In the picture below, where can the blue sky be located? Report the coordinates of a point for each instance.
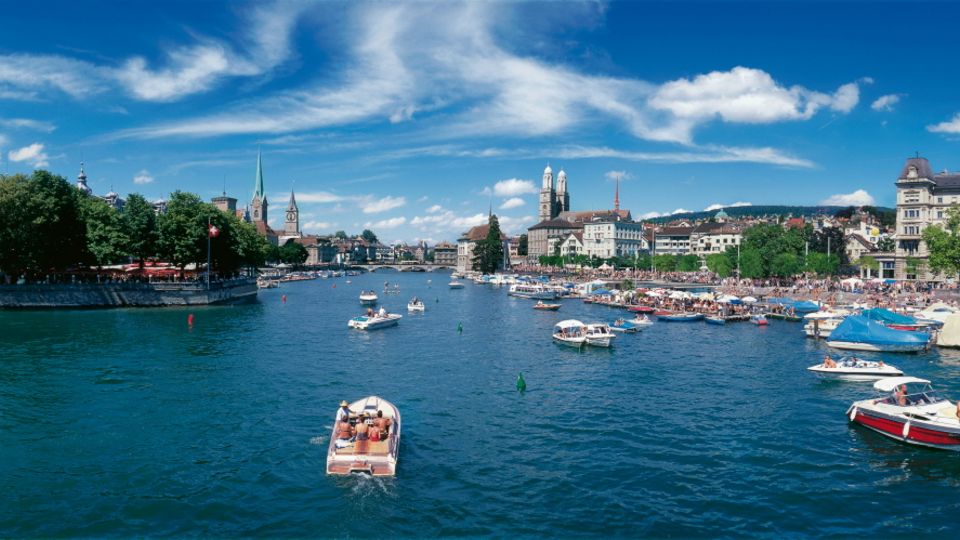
(412, 119)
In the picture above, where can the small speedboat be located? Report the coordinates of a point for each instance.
(368, 456)
(455, 284)
(908, 409)
(546, 307)
(715, 319)
(685, 316)
(641, 320)
(368, 297)
(624, 326)
(570, 332)
(855, 369)
(416, 304)
(599, 335)
(374, 321)
(759, 320)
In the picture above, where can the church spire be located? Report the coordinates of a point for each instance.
(258, 186)
(293, 202)
(616, 196)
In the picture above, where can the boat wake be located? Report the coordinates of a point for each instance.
(317, 440)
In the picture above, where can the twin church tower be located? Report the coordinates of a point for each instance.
(553, 201)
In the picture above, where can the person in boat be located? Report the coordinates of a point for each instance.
(901, 395)
(369, 312)
(343, 411)
(382, 312)
(381, 425)
(344, 429)
(362, 429)
(828, 362)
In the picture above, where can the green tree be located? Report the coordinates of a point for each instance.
(522, 245)
(887, 244)
(785, 265)
(272, 253)
(665, 263)
(751, 263)
(720, 264)
(688, 263)
(341, 235)
(369, 236)
(252, 249)
(41, 229)
(627, 285)
(943, 243)
(913, 266)
(488, 253)
(140, 226)
(870, 263)
(293, 253)
(106, 238)
(822, 264)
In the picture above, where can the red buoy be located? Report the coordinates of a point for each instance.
(284, 298)
(190, 319)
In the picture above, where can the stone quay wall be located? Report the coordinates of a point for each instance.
(105, 295)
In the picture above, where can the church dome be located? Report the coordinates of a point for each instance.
(562, 174)
(548, 170)
(721, 215)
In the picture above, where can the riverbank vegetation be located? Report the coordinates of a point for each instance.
(48, 226)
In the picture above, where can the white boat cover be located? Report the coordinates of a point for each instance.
(949, 335)
(890, 383)
(569, 323)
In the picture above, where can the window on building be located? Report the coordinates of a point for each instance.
(939, 200)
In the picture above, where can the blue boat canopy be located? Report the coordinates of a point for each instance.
(780, 301)
(888, 317)
(859, 329)
(602, 292)
(806, 306)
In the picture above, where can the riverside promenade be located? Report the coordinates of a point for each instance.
(126, 294)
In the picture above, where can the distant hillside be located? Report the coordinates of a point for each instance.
(776, 210)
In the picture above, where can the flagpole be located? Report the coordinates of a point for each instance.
(208, 253)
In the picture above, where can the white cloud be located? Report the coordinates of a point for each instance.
(950, 126)
(613, 175)
(513, 187)
(143, 177)
(434, 209)
(26, 76)
(391, 223)
(885, 103)
(513, 202)
(318, 226)
(312, 197)
(511, 225)
(705, 154)
(858, 198)
(383, 204)
(680, 211)
(718, 206)
(32, 154)
(26, 123)
(651, 215)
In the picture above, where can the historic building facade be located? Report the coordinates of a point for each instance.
(553, 200)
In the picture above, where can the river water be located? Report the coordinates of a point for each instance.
(127, 422)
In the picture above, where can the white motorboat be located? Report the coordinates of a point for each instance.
(374, 321)
(599, 335)
(374, 457)
(570, 332)
(937, 312)
(533, 291)
(641, 320)
(416, 304)
(908, 409)
(368, 297)
(821, 323)
(855, 369)
(455, 284)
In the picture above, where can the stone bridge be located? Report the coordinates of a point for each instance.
(418, 267)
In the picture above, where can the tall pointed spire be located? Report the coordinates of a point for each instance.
(258, 187)
(616, 197)
(293, 201)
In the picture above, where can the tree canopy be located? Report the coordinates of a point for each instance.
(488, 253)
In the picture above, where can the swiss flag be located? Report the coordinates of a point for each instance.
(213, 231)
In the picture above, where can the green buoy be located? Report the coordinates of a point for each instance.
(459, 327)
(521, 384)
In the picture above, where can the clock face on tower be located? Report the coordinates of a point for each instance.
(291, 216)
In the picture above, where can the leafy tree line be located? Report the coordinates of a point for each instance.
(48, 226)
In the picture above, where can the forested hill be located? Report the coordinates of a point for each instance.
(884, 214)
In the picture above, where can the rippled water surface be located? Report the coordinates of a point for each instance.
(126, 422)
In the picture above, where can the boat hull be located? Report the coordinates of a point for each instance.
(715, 320)
(922, 433)
(680, 318)
(860, 346)
(569, 342)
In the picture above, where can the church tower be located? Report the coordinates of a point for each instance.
(258, 206)
(291, 227)
(82, 181)
(563, 198)
(548, 205)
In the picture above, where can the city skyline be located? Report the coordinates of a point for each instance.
(414, 119)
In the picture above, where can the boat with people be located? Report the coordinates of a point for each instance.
(368, 297)
(455, 284)
(909, 410)
(374, 320)
(858, 333)
(625, 326)
(570, 332)
(683, 316)
(599, 335)
(365, 439)
(533, 291)
(759, 320)
(546, 307)
(854, 369)
(714, 319)
(641, 320)
(416, 304)
(822, 323)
